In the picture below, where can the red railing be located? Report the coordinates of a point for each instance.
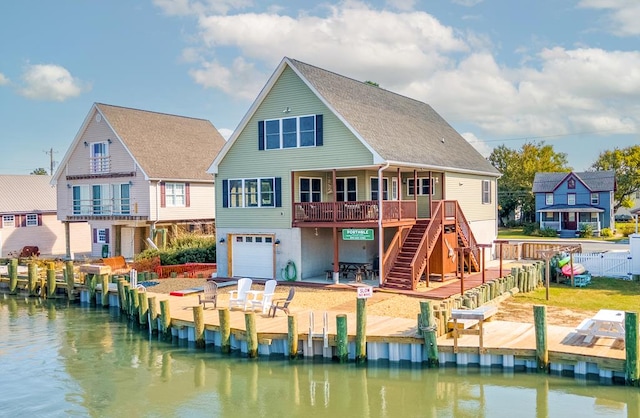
(390, 256)
(364, 211)
(421, 257)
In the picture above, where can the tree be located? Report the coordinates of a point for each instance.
(625, 163)
(40, 172)
(518, 168)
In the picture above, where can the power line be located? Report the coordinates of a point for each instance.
(51, 162)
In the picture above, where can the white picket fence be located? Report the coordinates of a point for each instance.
(607, 264)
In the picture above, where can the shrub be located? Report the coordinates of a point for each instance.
(531, 228)
(606, 232)
(586, 230)
(549, 232)
(627, 229)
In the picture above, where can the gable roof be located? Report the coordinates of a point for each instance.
(166, 147)
(27, 194)
(395, 128)
(596, 181)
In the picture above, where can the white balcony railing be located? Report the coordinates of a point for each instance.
(99, 165)
(102, 207)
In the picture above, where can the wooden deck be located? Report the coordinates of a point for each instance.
(500, 337)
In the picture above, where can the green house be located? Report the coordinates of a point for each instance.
(325, 172)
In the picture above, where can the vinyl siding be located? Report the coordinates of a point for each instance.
(340, 149)
(467, 190)
(200, 206)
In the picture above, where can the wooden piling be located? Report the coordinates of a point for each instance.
(292, 336)
(51, 279)
(134, 304)
(165, 320)
(71, 280)
(13, 276)
(125, 293)
(342, 340)
(429, 332)
(361, 330)
(542, 351)
(632, 371)
(121, 296)
(225, 330)
(252, 334)
(33, 278)
(198, 326)
(153, 314)
(105, 290)
(143, 310)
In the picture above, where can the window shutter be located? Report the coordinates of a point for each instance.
(106, 235)
(95, 235)
(187, 194)
(319, 130)
(278, 192)
(39, 219)
(261, 135)
(225, 193)
(163, 196)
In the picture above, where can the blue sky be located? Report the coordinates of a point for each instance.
(501, 72)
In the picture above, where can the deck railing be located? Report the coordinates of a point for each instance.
(358, 211)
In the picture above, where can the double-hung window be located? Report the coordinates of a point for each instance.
(571, 199)
(374, 188)
(310, 189)
(175, 194)
(548, 199)
(595, 198)
(486, 192)
(346, 189)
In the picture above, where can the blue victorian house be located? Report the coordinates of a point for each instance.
(566, 201)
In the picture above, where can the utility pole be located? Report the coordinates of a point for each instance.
(51, 162)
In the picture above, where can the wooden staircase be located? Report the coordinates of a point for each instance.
(401, 274)
(409, 263)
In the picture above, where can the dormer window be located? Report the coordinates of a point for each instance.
(571, 183)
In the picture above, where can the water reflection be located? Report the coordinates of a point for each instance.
(88, 362)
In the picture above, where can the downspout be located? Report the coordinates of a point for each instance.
(157, 210)
(380, 231)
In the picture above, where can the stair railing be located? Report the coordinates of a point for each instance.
(390, 256)
(421, 256)
(462, 225)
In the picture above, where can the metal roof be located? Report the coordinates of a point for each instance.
(27, 193)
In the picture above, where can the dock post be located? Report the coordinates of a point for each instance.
(542, 352)
(361, 330)
(631, 347)
(225, 330)
(33, 278)
(342, 340)
(292, 336)
(105, 290)
(121, 297)
(252, 334)
(165, 320)
(51, 279)
(13, 276)
(71, 280)
(143, 309)
(153, 314)
(125, 295)
(134, 304)
(198, 326)
(428, 326)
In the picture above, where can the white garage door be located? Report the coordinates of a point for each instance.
(252, 256)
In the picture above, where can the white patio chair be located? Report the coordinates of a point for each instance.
(238, 297)
(264, 303)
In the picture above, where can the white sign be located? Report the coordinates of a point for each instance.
(365, 292)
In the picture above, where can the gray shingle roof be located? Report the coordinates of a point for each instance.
(596, 181)
(166, 146)
(398, 128)
(27, 193)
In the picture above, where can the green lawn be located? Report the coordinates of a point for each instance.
(516, 233)
(602, 293)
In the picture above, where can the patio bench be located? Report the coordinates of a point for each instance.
(118, 264)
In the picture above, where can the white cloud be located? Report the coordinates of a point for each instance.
(3, 80)
(225, 132)
(241, 80)
(190, 7)
(480, 146)
(622, 17)
(49, 82)
(404, 5)
(467, 3)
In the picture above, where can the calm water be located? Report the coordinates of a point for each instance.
(58, 360)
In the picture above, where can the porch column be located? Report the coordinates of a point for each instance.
(67, 240)
(336, 259)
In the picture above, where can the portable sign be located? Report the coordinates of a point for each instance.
(357, 234)
(365, 292)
